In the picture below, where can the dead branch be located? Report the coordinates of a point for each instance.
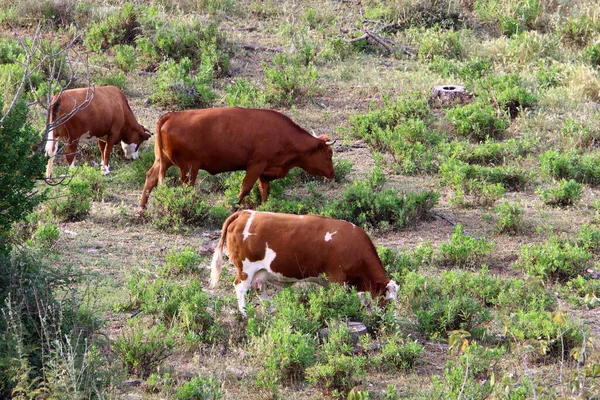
(255, 47)
(448, 220)
(244, 28)
(387, 44)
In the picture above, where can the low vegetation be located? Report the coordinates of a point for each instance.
(482, 207)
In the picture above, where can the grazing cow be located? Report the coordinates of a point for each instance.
(265, 143)
(285, 248)
(99, 112)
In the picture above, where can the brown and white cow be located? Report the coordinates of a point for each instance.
(100, 112)
(265, 143)
(284, 248)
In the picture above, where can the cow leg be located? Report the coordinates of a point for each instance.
(188, 175)
(108, 145)
(153, 177)
(241, 288)
(264, 185)
(252, 175)
(70, 152)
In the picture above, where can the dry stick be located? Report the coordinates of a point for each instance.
(261, 48)
(244, 28)
(448, 220)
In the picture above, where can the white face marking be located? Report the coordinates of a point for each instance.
(246, 232)
(129, 150)
(328, 236)
(391, 290)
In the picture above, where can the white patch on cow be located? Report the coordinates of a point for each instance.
(72, 164)
(391, 290)
(129, 151)
(105, 169)
(328, 236)
(301, 216)
(246, 232)
(51, 150)
(86, 138)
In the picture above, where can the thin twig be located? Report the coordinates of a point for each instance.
(448, 220)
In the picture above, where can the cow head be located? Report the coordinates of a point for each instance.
(319, 160)
(131, 144)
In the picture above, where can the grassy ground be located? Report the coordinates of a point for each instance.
(115, 243)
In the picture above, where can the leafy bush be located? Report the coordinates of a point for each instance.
(555, 333)
(181, 262)
(365, 205)
(71, 203)
(489, 153)
(200, 388)
(582, 291)
(564, 194)
(578, 31)
(125, 57)
(511, 17)
(399, 353)
(110, 78)
(397, 262)
(471, 375)
(119, 28)
(177, 86)
(467, 70)
(142, 350)
(477, 121)
(507, 92)
(242, 93)
(438, 42)
(571, 165)
(285, 353)
(45, 236)
(554, 259)
(464, 250)
(592, 52)
(19, 168)
(509, 219)
(288, 79)
(175, 208)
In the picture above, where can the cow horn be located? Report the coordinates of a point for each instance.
(329, 143)
(147, 130)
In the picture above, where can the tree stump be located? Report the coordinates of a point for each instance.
(450, 95)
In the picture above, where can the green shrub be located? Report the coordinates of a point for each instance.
(285, 353)
(142, 350)
(554, 259)
(467, 70)
(507, 92)
(181, 262)
(125, 57)
(242, 93)
(580, 168)
(477, 121)
(589, 238)
(511, 17)
(71, 203)
(565, 193)
(177, 86)
(592, 53)
(470, 375)
(364, 204)
(582, 291)
(288, 79)
(341, 169)
(19, 168)
(119, 28)
(509, 219)
(200, 388)
(438, 42)
(489, 153)
(174, 209)
(398, 262)
(45, 236)
(578, 31)
(110, 78)
(464, 250)
(399, 353)
(555, 333)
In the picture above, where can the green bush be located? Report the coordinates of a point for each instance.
(71, 203)
(565, 193)
(467, 70)
(578, 31)
(509, 219)
(200, 388)
(463, 250)
(511, 17)
(174, 209)
(592, 52)
(110, 78)
(554, 259)
(242, 93)
(181, 262)
(288, 79)
(125, 57)
(470, 375)
(142, 350)
(581, 291)
(489, 153)
(119, 28)
(399, 353)
(19, 168)
(442, 43)
(555, 333)
(477, 121)
(285, 353)
(398, 262)
(507, 91)
(176, 85)
(571, 165)
(45, 236)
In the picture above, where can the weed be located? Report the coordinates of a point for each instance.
(200, 387)
(288, 79)
(509, 219)
(399, 353)
(71, 203)
(242, 93)
(118, 28)
(110, 78)
(125, 57)
(507, 92)
(181, 262)
(592, 52)
(45, 236)
(554, 259)
(477, 121)
(441, 43)
(142, 350)
(578, 31)
(464, 250)
(579, 168)
(565, 193)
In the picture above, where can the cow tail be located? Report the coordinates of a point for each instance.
(158, 149)
(51, 140)
(217, 261)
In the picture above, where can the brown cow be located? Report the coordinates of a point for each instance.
(265, 143)
(285, 248)
(103, 113)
